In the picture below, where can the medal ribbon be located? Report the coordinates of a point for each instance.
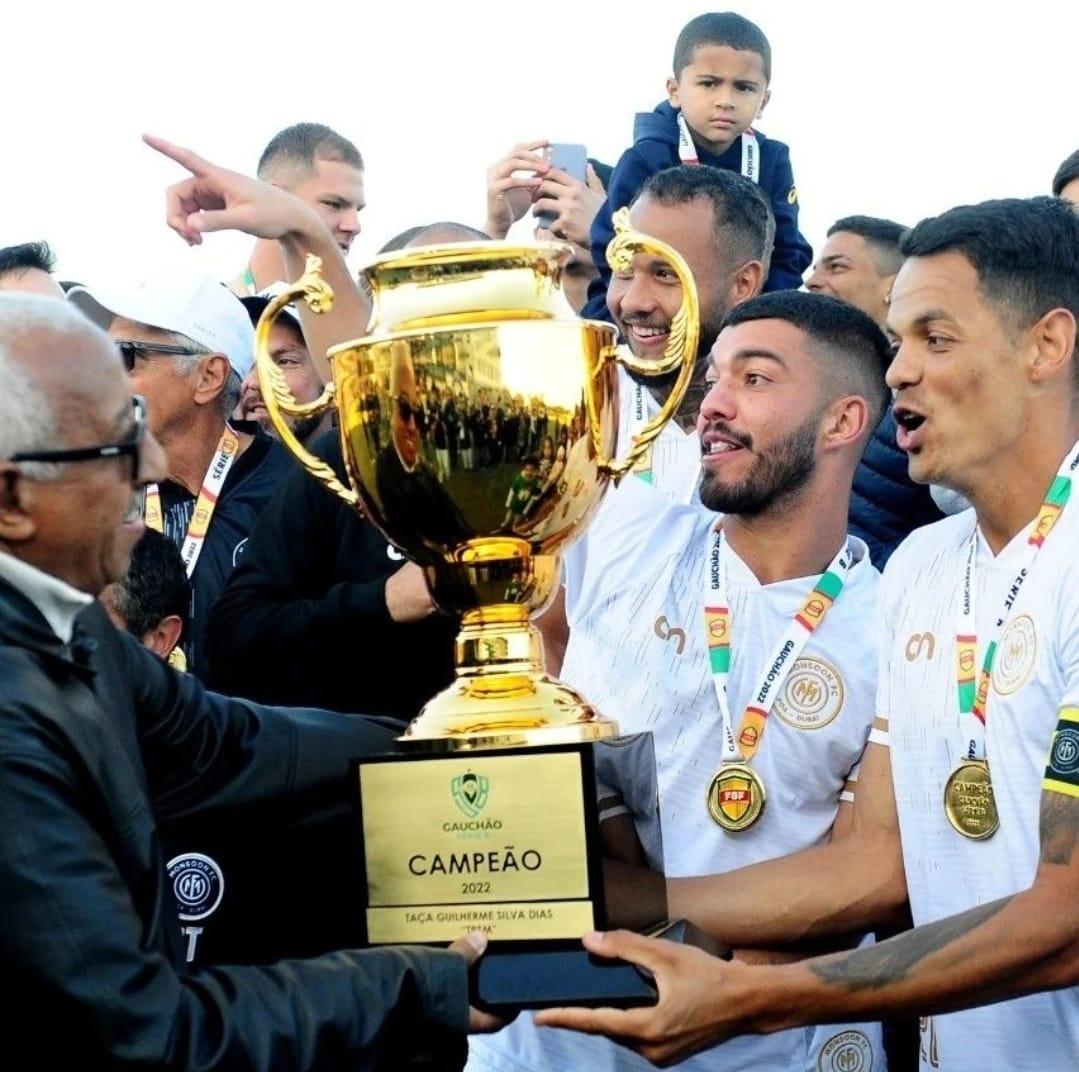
(751, 150)
(228, 447)
(777, 668)
(973, 699)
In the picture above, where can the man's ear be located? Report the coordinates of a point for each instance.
(1052, 345)
(211, 378)
(672, 92)
(747, 282)
(16, 498)
(164, 636)
(846, 422)
(886, 284)
(764, 102)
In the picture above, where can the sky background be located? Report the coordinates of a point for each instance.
(899, 110)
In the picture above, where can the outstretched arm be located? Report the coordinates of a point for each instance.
(213, 198)
(1010, 947)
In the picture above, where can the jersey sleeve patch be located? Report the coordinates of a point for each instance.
(1062, 772)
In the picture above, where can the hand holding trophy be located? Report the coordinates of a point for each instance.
(489, 818)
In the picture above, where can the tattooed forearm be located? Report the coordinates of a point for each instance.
(889, 962)
(1059, 827)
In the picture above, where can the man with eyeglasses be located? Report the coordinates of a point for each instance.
(187, 344)
(100, 742)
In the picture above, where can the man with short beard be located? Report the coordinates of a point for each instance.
(722, 226)
(745, 645)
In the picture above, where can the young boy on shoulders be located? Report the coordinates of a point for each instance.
(722, 68)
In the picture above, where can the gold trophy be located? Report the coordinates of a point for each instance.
(478, 422)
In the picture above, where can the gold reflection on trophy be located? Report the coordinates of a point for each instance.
(479, 424)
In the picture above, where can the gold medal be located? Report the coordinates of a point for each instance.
(736, 797)
(968, 800)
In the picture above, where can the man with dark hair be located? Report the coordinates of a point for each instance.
(1066, 180)
(979, 689)
(100, 743)
(745, 642)
(151, 601)
(324, 170)
(28, 268)
(721, 225)
(187, 343)
(721, 71)
(858, 264)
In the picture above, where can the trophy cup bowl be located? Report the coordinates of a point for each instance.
(473, 362)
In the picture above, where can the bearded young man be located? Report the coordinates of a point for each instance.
(744, 644)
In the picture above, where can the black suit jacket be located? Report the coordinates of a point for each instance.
(97, 744)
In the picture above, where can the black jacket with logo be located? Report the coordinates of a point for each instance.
(303, 619)
(99, 742)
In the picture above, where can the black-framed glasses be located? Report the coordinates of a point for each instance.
(130, 349)
(406, 410)
(128, 448)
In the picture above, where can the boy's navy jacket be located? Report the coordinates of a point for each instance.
(655, 147)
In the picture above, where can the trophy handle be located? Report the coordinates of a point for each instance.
(681, 350)
(314, 290)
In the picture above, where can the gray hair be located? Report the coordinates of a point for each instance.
(185, 365)
(28, 416)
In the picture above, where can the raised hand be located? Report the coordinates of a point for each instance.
(509, 197)
(216, 199)
(574, 204)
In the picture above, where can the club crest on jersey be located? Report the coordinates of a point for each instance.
(1015, 655)
(812, 696)
(198, 884)
(849, 1051)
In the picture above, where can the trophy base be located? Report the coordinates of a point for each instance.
(502, 698)
(541, 979)
(510, 981)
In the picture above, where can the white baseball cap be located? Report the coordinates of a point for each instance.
(206, 311)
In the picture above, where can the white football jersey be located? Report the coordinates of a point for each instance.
(638, 653)
(1036, 671)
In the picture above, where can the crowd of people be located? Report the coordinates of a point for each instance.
(844, 574)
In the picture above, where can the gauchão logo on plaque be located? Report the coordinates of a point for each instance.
(470, 792)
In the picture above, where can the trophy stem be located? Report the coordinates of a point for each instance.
(503, 698)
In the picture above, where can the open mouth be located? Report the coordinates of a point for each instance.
(908, 427)
(647, 334)
(716, 444)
